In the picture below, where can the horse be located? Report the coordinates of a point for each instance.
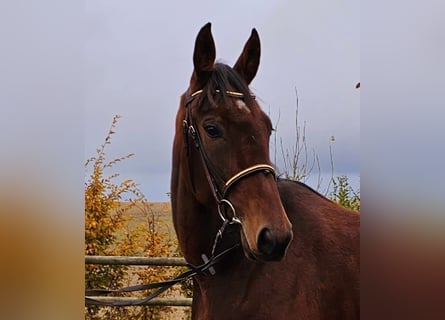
(289, 252)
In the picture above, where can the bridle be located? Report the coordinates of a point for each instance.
(222, 204)
(220, 195)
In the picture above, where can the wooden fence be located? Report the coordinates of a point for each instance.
(141, 261)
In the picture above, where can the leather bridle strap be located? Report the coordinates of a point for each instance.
(194, 134)
(265, 168)
(220, 197)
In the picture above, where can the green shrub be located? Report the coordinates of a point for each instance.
(344, 194)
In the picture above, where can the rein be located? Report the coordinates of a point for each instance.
(161, 286)
(207, 266)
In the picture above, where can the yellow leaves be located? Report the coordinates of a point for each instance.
(91, 224)
(118, 221)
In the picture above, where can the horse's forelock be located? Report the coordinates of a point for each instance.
(224, 79)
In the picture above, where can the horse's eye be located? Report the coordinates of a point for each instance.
(212, 131)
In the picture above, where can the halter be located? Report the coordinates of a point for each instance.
(220, 195)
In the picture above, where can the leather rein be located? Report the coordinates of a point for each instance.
(222, 203)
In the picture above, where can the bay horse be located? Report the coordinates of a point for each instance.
(291, 253)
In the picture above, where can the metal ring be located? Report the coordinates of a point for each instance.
(234, 218)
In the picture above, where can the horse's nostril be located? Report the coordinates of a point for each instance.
(266, 242)
(273, 246)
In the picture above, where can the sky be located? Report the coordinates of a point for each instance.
(138, 61)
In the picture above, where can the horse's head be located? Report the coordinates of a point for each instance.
(228, 148)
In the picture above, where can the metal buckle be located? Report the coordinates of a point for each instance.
(192, 131)
(185, 126)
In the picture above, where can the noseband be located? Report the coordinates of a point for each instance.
(220, 195)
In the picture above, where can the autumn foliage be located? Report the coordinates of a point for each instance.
(119, 221)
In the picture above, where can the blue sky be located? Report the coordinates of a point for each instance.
(138, 61)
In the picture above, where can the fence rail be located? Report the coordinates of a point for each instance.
(136, 261)
(164, 302)
(141, 261)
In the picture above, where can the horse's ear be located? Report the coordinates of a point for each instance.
(204, 55)
(249, 60)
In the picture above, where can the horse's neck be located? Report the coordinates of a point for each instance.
(196, 226)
